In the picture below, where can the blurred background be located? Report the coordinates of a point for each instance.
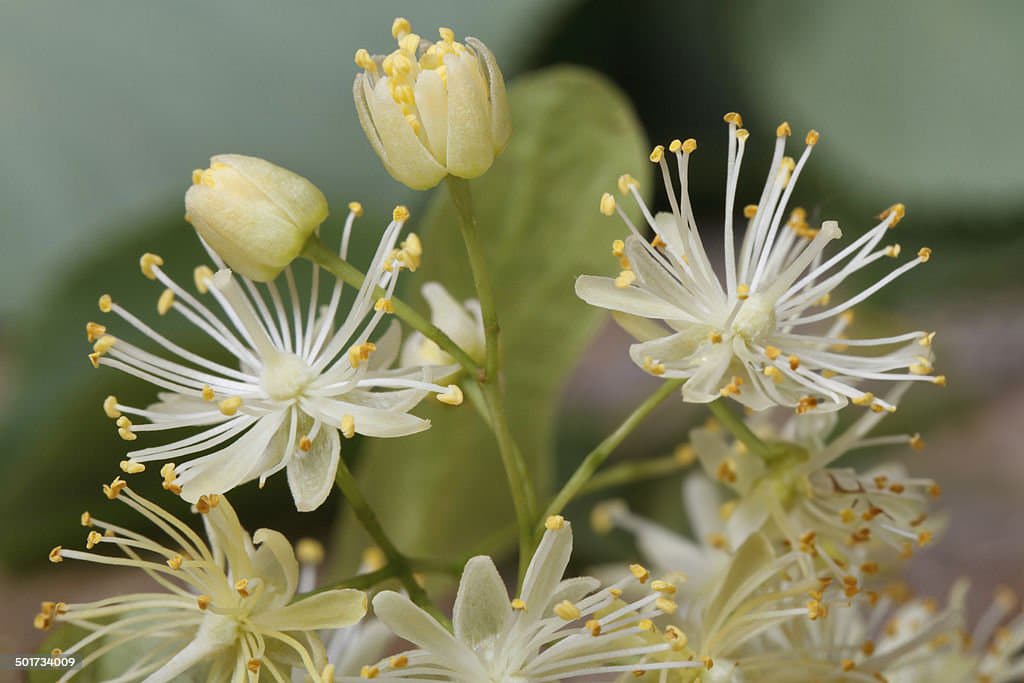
(108, 106)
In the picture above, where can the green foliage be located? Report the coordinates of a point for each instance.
(443, 492)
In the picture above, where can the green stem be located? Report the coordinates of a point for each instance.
(399, 564)
(741, 431)
(596, 457)
(369, 580)
(489, 380)
(320, 254)
(632, 472)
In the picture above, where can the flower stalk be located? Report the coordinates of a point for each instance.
(742, 432)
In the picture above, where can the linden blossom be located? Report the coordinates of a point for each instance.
(300, 380)
(227, 606)
(739, 339)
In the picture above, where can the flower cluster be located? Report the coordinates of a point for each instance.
(788, 575)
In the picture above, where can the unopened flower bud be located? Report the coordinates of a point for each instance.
(255, 215)
(430, 109)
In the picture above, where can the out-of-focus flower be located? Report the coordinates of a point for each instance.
(227, 608)
(255, 215)
(463, 323)
(301, 382)
(555, 630)
(430, 109)
(748, 338)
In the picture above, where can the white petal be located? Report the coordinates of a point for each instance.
(641, 329)
(330, 609)
(747, 518)
(274, 562)
(405, 156)
(602, 292)
(545, 571)
(750, 558)
(701, 500)
(705, 384)
(229, 540)
(388, 346)
(368, 421)
(482, 607)
(674, 350)
(501, 122)
(410, 622)
(311, 474)
(713, 450)
(432, 107)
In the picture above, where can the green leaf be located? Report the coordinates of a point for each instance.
(444, 492)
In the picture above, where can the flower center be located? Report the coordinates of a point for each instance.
(285, 376)
(755, 317)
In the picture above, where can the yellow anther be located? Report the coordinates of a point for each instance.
(305, 444)
(202, 601)
(666, 605)
(309, 551)
(726, 471)
(167, 471)
(676, 638)
(707, 662)
(816, 610)
(626, 182)
(806, 404)
(92, 539)
(733, 387)
(230, 406)
(675, 145)
(607, 205)
(400, 214)
(165, 302)
(847, 664)
(940, 380)
(364, 61)
(242, 586)
(742, 134)
(85, 519)
(175, 562)
(750, 210)
(452, 397)
(654, 367)
(399, 27)
(685, 454)
(812, 137)
(373, 558)
(409, 43)
(783, 130)
(924, 253)
(661, 586)
(893, 250)
(639, 572)
(132, 467)
(147, 262)
(110, 407)
(201, 277)
(865, 399)
(208, 393)
(447, 35)
(773, 372)
(566, 611)
(657, 154)
(616, 593)
(625, 279)
(360, 352)
(924, 538)
(355, 208)
(369, 671)
(348, 426)
(742, 292)
(55, 555)
(398, 662)
(916, 442)
(896, 211)
(104, 344)
(733, 118)
(383, 305)
(689, 146)
(253, 665)
(114, 488)
(554, 522)
(518, 605)
(105, 303)
(594, 626)
(787, 164)
(794, 362)
(94, 331)
(772, 352)
(412, 245)
(927, 339)
(923, 366)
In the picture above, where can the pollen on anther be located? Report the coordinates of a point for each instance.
(689, 146)
(640, 572)
(657, 154)
(110, 407)
(400, 214)
(201, 277)
(55, 554)
(566, 611)
(132, 467)
(625, 182)
(230, 406)
(812, 137)
(924, 253)
(452, 397)
(94, 331)
(554, 522)
(733, 118)
(202, 601)
(783, 130)
(147, 262)
(607, 205)
(348, 426)
(518, 605)
(165, 302)
(305, 445)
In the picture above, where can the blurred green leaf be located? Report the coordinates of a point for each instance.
(443, 491)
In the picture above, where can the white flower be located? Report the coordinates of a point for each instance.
(226, 607)
(463, 323)
(845, 520)
(256, 215)
(430, 109)
(555, 630)
(300, 384)
(748, 338)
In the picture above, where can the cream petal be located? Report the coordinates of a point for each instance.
(274, 562)
(574, 589)
(432, 107)
(641, 329)
(674, 350)
(214, 635)
(651, 274)
(311, 473)
(671, 231)
(702, 501)
(388, 346)
(405, 156)
(330, 609)
(546, 569)
(735, 586)
(228, 540)
(222, 471)
(602, 292)
(410, 622)
(482, 607)
(470, 146)
(705, 384)
(453, 317)
(501, 121)
(667, 549)
(368, 421)
(747, 518)
(292, 194)
(713, 450)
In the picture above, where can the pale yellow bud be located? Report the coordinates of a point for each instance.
(448, 114)
(255, 215)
